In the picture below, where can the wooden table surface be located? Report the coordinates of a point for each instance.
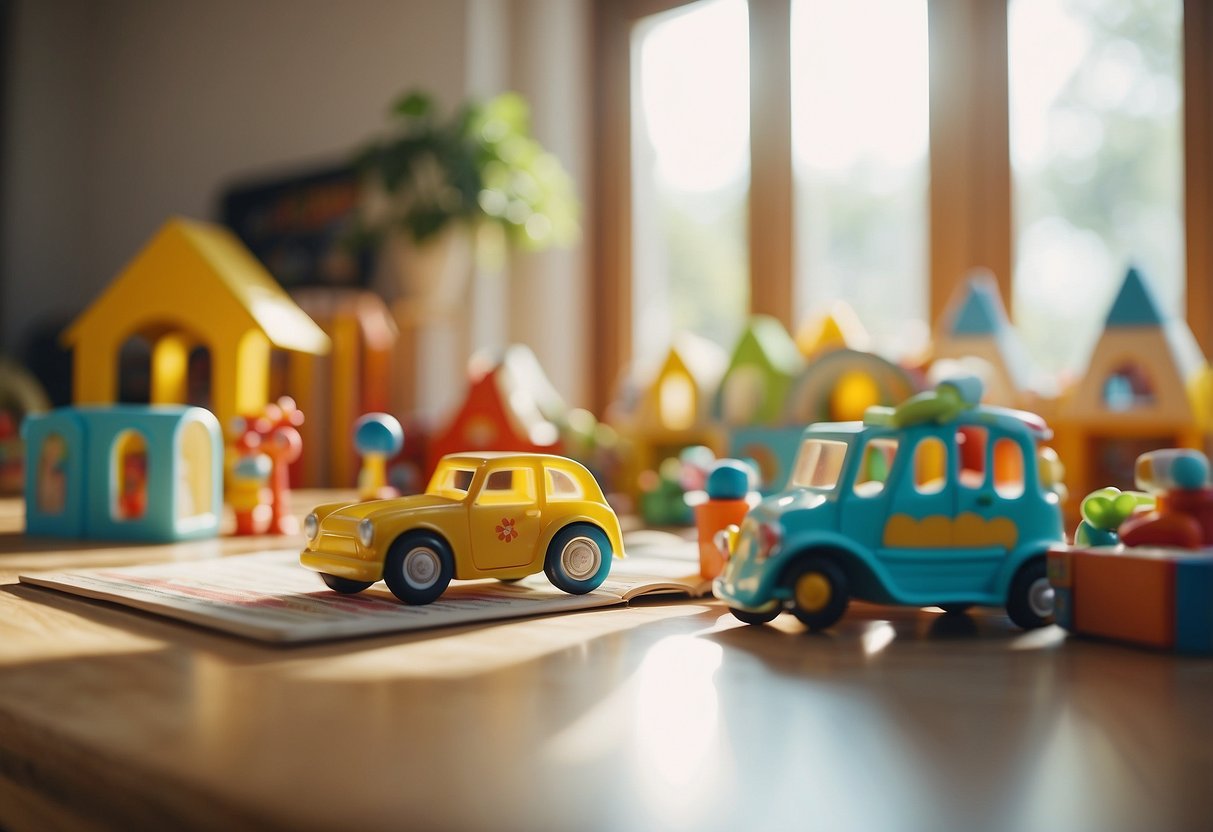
(663, 715)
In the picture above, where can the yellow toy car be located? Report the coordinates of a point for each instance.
(485, 515)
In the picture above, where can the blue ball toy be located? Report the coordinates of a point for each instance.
(729, 479)
(378, 433)
(1190, 472)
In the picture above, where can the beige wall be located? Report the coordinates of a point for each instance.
(124, 112)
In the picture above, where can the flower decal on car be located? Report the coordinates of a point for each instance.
(506, 530)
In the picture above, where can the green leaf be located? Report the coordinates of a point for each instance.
(413, 105)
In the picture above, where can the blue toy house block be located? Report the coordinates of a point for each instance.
(124, 472)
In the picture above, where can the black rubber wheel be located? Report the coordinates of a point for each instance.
(748, 617)
(578, 558)
(1030, 601)
(344, 585)
(418, 567)
(820, 592)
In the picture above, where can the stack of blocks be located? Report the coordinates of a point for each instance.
(1153, 597)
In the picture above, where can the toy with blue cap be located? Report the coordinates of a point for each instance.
(377, 437)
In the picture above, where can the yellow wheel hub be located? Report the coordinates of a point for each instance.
(812, 592)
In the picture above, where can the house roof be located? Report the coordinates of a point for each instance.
(976, 314)
(700, 357)
(981, 311)
(375, 322)
(840, 328)
(1135, 304)
(765, 339)
(529, 401)
(187, 261)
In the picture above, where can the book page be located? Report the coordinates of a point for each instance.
(268, 596)
(657, 562)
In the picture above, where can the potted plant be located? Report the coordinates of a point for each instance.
(432, 180)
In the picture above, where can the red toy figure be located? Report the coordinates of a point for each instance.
(132, 502)
(1183, 511)
(278, 440)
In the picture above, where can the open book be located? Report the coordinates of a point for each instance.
(269, 597)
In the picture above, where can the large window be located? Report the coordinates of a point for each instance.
(882, 149)
(859, 120)
(1096, 129)
(690, 175)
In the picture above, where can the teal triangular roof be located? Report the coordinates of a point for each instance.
(1135, 304)
(981, 312)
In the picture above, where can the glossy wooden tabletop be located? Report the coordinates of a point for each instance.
(664, 715)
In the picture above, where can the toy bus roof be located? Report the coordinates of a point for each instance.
(1004, 418)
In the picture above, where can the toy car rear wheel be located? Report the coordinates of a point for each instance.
(418, 567)
(345, 586)
(1030, 601)
(820, 592)
(578, 558)
(748, 617)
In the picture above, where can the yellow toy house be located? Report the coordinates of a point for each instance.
(1147, 387)
(193, 286)
(675, 410)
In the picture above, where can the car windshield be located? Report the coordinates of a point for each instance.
(819, 463)
(451, 481)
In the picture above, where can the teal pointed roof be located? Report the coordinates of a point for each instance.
(1135, 304)
(981, 312)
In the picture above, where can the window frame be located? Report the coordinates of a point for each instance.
(970, 194)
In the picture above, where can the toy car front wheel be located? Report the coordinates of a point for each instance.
(345, 586)
(1030, 602)
(747, 617)
(418, 567)
(578, 558)
(820, 593)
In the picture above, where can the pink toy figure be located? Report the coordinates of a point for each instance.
(279, 441)
(284, 445)
(377, 437)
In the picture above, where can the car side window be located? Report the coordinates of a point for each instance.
(930, 465)
(972, 442)
(874, 467)
(1009, 471)
(507, 486)
(561, 486)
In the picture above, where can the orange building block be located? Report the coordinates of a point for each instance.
(1127, 597)
(711, 517)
